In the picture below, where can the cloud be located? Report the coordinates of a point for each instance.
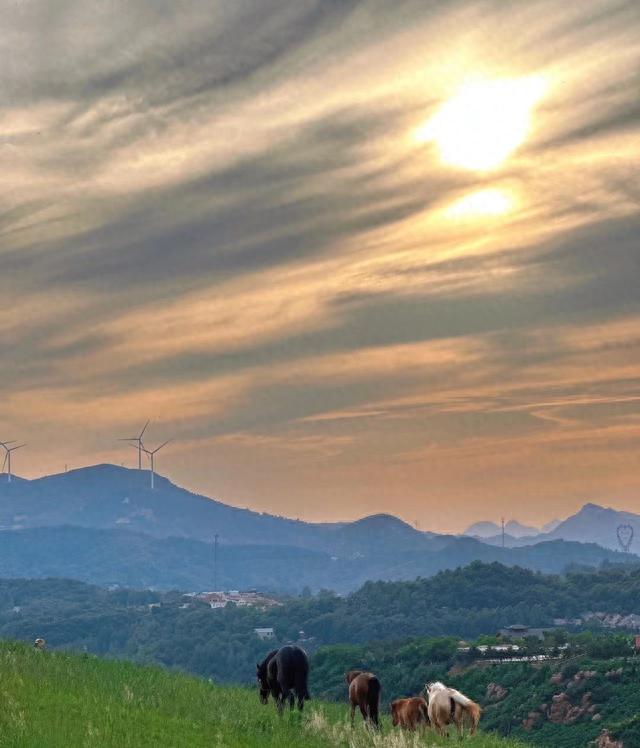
(219, 217)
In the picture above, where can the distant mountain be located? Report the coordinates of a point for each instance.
(111, 497)
(591, 524)
(597, 524)
(120, 557)
(105, 525)
(518, 530)
(551, 525)
(490, 529)
(482, 530)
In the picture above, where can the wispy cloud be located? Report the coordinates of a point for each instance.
(220, 217)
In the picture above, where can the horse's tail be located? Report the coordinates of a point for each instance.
(460, 698)
(471, 708)
(474, 711)
(373, 699)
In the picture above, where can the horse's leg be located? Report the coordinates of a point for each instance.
(363, 710)
(353, 713)
(287, 695)
(300, 689)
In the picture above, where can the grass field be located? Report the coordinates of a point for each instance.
(59, 700)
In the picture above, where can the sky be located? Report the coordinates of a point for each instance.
(352, 256)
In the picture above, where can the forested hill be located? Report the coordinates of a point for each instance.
(222, 644)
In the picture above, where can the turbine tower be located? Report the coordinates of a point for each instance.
(151, 454)
(7, 456)
(138, 440)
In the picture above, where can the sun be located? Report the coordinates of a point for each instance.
(490, 202)
(484, 122)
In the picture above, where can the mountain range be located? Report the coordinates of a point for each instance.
(105, 525)
(591, 524)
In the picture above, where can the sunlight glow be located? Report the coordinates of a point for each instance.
(482, 203)
(484, 122)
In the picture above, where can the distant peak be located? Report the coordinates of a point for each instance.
(590, 507)
(381, 519)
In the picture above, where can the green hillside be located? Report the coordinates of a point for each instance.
(60, 700)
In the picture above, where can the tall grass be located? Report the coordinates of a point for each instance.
(59, 700)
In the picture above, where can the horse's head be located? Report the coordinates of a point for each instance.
(351, 675)
(263, 683)
(394, 713)
(431, 688)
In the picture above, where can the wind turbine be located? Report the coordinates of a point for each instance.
(151, 454)
(138, 440)
(7, 456)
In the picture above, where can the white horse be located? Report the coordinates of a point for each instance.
(447, 705)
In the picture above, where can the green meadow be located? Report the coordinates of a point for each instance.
(61, 700)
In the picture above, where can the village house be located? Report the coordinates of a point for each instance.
(264, 634)
(520, 631)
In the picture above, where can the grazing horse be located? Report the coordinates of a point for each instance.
(283, 672)
(410, 713)
(447, 705)
(364, 692)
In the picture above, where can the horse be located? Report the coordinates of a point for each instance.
(447, 705)
(364, 692)
(410, 713)
(283, 672)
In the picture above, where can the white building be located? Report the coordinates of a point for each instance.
(265, 633)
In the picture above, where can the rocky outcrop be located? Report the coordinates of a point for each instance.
(531, 720)
(496, 692)
(562, 710)
(605, 740)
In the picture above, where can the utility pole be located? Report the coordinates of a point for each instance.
(215, 562)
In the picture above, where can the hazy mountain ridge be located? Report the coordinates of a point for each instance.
(104, 525)
(124, 558)
(112, 497)
(591, 524)
(490, 529)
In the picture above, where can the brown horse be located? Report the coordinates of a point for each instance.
(410, 713)
(364, 692)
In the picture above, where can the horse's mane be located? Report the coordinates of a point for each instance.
(437, 686)
(262, 666)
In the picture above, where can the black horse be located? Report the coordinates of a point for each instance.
(282, 673)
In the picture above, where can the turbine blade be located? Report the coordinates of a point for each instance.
(128, 439)
(164, 444)
(144, 429)
(13, 449)
(6, 457)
